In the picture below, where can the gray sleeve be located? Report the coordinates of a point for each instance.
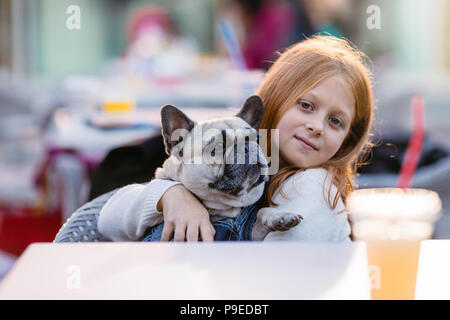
(127, 215)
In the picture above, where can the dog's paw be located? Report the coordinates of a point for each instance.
(285, 222)
(276, 220)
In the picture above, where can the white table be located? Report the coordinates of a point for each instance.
(189, 271)
(433, 274)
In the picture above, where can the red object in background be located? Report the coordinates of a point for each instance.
(415, 145)
(19, 227)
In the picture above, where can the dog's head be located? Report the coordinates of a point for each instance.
(218, 160)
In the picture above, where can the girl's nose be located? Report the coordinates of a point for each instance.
(315, 128)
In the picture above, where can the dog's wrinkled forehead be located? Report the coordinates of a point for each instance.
(229, 127)
(225, 123)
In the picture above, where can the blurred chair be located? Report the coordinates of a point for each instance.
(23, 223)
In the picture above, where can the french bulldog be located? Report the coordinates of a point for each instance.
(221, 163)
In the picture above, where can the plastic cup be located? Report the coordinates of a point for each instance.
(393, 222)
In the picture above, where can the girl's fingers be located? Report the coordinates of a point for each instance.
(180, 233)
(207, 232)
(192, 234)
(167, 231)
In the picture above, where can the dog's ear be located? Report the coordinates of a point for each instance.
(172, 119)
(252, 111)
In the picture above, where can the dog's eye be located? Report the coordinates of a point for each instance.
(211, 140)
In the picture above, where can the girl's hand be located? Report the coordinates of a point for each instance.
(185, 215)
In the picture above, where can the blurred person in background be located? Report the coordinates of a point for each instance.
(326, 16)
(155, 47)
(263, 26)
(267, 26)
(149, 18)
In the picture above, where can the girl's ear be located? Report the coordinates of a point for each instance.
(172, 119)
(252, 111)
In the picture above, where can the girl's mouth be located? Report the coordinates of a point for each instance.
(306, 144)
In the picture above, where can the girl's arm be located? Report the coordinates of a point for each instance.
(134, 208)
(308, 197)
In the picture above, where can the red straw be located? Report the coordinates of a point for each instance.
(415, 144)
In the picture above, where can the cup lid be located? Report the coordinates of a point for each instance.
(395, 203)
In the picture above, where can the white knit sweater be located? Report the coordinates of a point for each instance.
(127, 215)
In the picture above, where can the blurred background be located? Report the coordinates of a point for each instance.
(83, 80)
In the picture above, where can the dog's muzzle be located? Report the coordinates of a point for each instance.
(237, 176)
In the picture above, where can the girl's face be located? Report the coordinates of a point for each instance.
(312, 131)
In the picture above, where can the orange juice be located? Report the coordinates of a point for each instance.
(395, 272)
(393, 221)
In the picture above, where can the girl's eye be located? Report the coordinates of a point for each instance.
(335, 121)
(305, 105)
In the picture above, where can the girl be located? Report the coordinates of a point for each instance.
(318, 95)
